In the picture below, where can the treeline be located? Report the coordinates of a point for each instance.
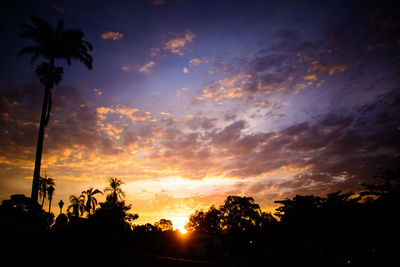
(340, 229)
(27, 229)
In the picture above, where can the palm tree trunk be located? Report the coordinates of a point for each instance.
(49, 204)
(39, 147)
(44, 196)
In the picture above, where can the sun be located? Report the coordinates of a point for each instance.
(179, 224)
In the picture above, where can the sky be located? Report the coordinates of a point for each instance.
(189, 102)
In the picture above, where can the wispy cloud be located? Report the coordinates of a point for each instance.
(110, 35)
(180, 91)
(133, 114)
(147, 67)
(179, 45)
(125, 68)
(154, 51)
(197, 61)
(97, 92)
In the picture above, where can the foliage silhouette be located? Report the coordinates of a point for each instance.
(205, 222)
(51, 44)
(164, 225)
(44, 183)
(50, 192)
(236, 215)
(113, 214)
(240, 214)
(77, 206)
(339, 229)
(114, 189)
(91, 201)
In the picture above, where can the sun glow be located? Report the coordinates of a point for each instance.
(179, 224)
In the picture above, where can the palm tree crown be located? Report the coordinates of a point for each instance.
(114, 189)
(51, 44)
(55, 43)
(77, 205)
(44, 184)
(91, 201)
(50, 192)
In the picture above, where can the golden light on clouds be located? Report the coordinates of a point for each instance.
(198, 61)
(187, 114)
(147, 67)
(178, 45)
(110, 35)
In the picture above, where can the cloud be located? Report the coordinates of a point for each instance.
(179, 45)
(133, 114)
(154, 51)
(180, 91)
(197, 61)
(97, 92)
(331, 68)
(147, 67)
(110, 35)
(232, 87)
(331, 151)
(200, 122)
(185, 70)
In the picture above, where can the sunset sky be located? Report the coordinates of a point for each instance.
(189, 102)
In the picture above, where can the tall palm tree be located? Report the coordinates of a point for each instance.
(44, 184)
(91, 201)
(50, 192)
(77, 205)
(114, 189)
(51, 44)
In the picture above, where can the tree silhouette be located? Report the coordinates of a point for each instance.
(91, 201)
(77, 205)
(237, 214)
(51, 43)
(164, 225)
(50, 192)
(44, 183)
(300, 209)
(391, 185)
(240, 214)
(205, 222)
(114, 189)
(113, 214)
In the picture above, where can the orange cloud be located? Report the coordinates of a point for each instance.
(110, 35)
(178, 45)
(133, 114)
(147, 67)
(197, 61)
(331, 68)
